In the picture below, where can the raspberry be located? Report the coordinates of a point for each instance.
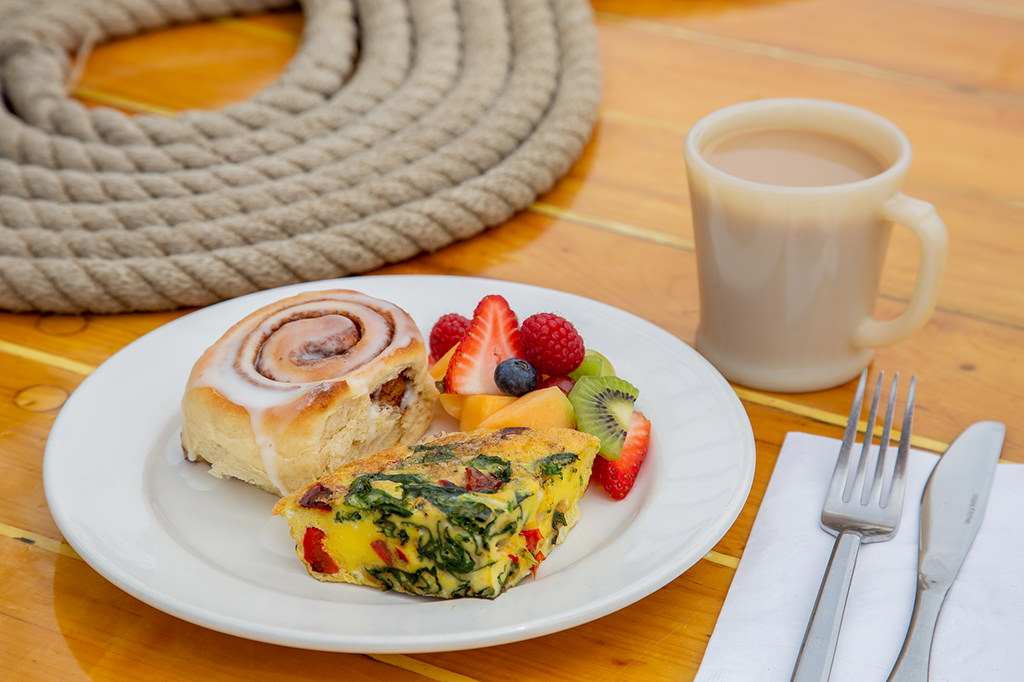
(447, 331)
(551, 344)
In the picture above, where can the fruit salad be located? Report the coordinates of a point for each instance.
(495, 372)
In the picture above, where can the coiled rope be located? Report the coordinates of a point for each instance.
(399, 127)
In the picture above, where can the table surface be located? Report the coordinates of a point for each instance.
(617, 228)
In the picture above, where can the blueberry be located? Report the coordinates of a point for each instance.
(515, 376)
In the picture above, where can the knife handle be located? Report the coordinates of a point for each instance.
(814, 663)
(912, 663)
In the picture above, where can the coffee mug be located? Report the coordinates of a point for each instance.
(793, 204)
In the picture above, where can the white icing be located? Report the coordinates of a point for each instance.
(408, 397)
(231, 365)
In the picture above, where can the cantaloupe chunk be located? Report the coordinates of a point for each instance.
(440, 368)
(477, 407)
(451, 403)
(544, 407)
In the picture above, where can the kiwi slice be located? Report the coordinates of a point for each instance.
(594, 365)
(604, 406)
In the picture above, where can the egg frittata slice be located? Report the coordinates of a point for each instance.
(461, 515)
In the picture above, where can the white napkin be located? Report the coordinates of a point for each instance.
(980, 635)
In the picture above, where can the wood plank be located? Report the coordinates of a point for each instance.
(658, 638)
(952, 150)
(937, 42)
(78, 626)
(30, 398)
(84, 339)
(137, 640)
(203, 65)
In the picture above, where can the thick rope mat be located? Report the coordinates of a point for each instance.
(400, 126)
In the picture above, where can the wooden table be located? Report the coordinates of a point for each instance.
(617, 229)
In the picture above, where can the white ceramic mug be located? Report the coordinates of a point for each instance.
(789, 267)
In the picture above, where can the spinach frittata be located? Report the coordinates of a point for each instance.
(461, 515)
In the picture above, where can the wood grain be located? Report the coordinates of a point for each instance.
(617, 228)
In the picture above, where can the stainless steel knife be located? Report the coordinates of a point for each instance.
(951, 511)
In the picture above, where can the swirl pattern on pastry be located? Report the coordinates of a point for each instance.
(304, 385)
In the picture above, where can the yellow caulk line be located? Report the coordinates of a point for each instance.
(826, 417)
(254, 29)
(722, 559)
(45, 358)
(37, 540)
(429, 671)
(615, 226)
(103, 97)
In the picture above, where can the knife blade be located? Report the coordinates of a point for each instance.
(952, 508)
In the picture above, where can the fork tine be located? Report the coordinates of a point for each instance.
(873, 495)
(858, 480)
(843, 461)
(900, 470)
(851, 423)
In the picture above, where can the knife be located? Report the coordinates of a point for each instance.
(952, 506)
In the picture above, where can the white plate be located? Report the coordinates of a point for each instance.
(208, 551)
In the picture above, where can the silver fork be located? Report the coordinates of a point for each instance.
(863, 504)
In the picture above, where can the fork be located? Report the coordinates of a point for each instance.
(860, 507)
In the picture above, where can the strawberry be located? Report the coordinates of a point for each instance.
(493, 336)
(618, 476)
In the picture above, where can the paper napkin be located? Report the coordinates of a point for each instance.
(980, 635)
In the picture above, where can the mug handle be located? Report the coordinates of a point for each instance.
(921, 218)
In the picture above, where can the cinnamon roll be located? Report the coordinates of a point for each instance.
(303, 385)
